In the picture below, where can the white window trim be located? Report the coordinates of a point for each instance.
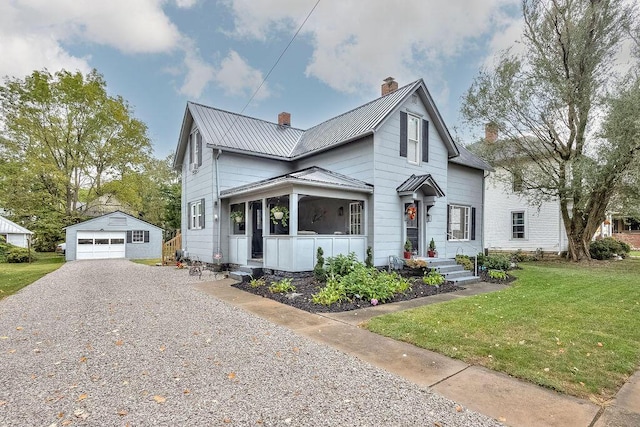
(410, 140)
(524, 220)
(195, 215)
(134, 237)
(355, 218)
(467, 223)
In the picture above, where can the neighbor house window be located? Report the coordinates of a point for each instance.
(517, 225)
(413, 139)
(355, 218)
(459, 224)
(137, 236)
(196, 215)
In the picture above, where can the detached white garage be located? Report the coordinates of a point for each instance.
(114, 235)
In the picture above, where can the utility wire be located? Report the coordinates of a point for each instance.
(270, 71)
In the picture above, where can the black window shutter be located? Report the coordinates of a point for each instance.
(202, 211)
(448, 223)
(146, 236)
(129, 236)
(199, 139)
(473, 223)
(403, 134)
(425, 141)
(190, 148)
(189, 214)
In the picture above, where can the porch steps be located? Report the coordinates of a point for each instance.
(452, 271)
(245, 273)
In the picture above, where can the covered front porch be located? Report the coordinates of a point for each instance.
(279, 224)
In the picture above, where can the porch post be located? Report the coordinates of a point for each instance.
(266, 218)
(293, 214)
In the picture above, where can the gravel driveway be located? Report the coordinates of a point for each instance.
(113, 343)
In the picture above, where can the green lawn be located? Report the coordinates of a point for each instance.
(634, 253)
(14, 277)
(574, 328)
(151, 261)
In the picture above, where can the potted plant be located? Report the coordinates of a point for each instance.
(237, 216)
(280, 213)
(432, 248)
(407, 249)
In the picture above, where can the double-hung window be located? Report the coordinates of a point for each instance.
(517, 225)
(196, 214)
(459, 223)
(137, 236)
(413, 139)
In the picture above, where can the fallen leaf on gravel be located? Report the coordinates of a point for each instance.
(119, 342)
(278, 354)
(458, 408)
(82, 397)
(186, 391)
(2, 403)
(296, 350)
(163, 348)
(89, 347)
(226, 420)
(437, 424)
(232, 375)
(502, 419)
(13, 350)
(83, 359)
(19, 328)
(4, 338)
(60, 414)
(66, 422)
(122, 412)
(159, 399)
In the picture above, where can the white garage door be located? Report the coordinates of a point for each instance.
(100, 244)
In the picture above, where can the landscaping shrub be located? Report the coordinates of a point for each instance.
(4, 249)
(495, 262)
(434, 278)
(341, 265)
(318, 271)
(18, 255)
(498, 274)
(465, 261)
(363, 283)
(282, 286)
(608, 247)
(257, 283)
(369, 259)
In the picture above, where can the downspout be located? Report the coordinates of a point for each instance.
(218, 154)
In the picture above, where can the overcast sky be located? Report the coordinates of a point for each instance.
(158, 54)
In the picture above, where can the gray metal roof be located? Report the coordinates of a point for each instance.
(225, 129)
(353, 124)
(10, 227)
(417, 181)
(467, 158)
(314, 176)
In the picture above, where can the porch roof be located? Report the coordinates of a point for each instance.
(313, 176)
(10, 227)
(414, 182)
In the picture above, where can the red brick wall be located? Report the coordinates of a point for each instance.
(632, 238)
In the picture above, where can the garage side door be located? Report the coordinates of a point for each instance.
(100, 244)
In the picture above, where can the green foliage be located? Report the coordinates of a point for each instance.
(408, 246)
(495, 262)
(4, 249)
(498, 274)
(285, 215)
(608, 247)
(368, 261)
(318, 270)
(433, 278)
(282, 286)
(257, 283)
(363, 283)
(432, 245)
(14, 277)
(465, 261)
(17, 255)
(341, 265)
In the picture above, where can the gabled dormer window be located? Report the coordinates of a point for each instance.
(414, 138)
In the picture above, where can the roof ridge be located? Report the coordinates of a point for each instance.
(241, 115)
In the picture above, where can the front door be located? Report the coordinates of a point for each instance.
(412, 214)
(256, 229)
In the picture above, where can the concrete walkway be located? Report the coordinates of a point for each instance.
(509, 400)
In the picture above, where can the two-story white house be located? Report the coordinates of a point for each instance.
(373, 177)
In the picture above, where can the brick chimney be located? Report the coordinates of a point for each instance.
(490, 132)
(389, 85)
(284, 119)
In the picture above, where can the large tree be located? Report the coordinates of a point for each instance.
(64, 132)
(563, 111)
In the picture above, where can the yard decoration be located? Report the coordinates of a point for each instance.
(237, 216)
(432, 248)
(280, 213)
(407, 249)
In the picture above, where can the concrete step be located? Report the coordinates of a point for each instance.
(456, 274)
(240, 276)
(444, 269)
(438, 262)
(467, 280)
(255, 271)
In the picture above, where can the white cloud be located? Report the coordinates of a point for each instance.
(199, 73)
(236, 77)
(357, 44)
(186, 4)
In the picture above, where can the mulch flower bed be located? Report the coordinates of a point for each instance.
(307, 286)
